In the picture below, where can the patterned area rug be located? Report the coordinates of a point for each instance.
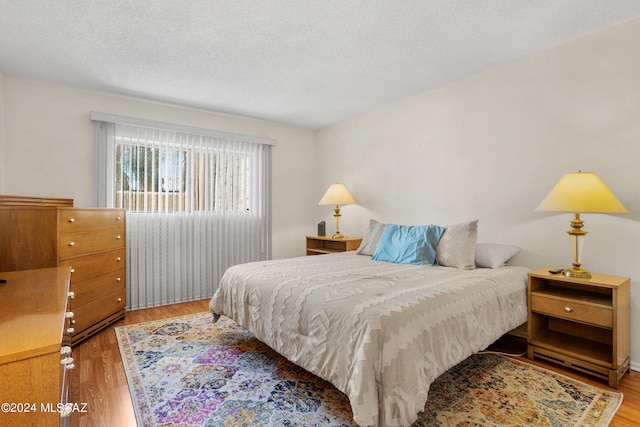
(187, 371)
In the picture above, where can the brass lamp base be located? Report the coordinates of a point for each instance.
(577, 272)
(576, 237)
(337, 216)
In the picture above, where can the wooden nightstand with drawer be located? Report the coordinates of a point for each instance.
(317, 245)
(583, 324)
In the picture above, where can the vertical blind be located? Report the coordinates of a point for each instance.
(197, 202)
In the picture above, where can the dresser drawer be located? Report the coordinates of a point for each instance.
(89, 266)
(82, 243)
(97, 310)
(572, 310)
(75, 220)
(95, 288)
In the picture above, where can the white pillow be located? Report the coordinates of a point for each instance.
(457, 246)
(494, 255)
(371, 238)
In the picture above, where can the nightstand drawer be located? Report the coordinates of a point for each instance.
(572, 310)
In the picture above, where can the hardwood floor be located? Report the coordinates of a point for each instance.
(100, 380)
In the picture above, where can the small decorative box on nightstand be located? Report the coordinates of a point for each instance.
(317, 245)
(583, 324)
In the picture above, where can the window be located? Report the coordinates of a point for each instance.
(148, 178)
(190, 174)
(197, 201)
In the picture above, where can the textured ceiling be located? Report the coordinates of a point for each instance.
(308, 63)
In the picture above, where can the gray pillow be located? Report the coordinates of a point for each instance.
(371, 237)
(457, 246)
(494, 255)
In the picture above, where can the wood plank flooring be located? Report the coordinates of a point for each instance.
(100, 381)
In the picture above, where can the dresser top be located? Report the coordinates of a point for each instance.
(6, 200)
(32, 314)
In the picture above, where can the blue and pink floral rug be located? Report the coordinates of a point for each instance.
(187, 371)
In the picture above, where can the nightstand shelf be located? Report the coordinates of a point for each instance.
(577, 348)
(318, 245)
(580, 323)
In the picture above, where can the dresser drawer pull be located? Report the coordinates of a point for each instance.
(71, 294)
(72, 243)
(118, 237)
(65, 350)
(72, 220)
(73, 322)
(568, 309)
(69, 315)
(118, 279)
(118, 218)
(70, 331)
(73, 270)
(119, 299)
(118, 259)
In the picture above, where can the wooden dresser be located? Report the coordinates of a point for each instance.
(35, 358)
(41, 233)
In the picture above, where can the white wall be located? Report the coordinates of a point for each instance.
(492, 146)
(48, 150)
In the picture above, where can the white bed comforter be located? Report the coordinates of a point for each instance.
(380, 332)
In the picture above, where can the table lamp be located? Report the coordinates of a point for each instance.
(580, 192)
(337, 194)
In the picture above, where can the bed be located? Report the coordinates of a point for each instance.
(381, 332)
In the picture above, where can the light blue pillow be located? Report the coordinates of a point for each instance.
(405, 244)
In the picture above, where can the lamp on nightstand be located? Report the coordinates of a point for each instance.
(580, 192)
(337, 194)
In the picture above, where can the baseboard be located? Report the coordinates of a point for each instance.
(634, 366)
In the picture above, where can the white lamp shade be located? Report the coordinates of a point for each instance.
(337, 194)
(581, 192)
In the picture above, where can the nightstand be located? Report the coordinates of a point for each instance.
(583, 324)
(317, 245)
